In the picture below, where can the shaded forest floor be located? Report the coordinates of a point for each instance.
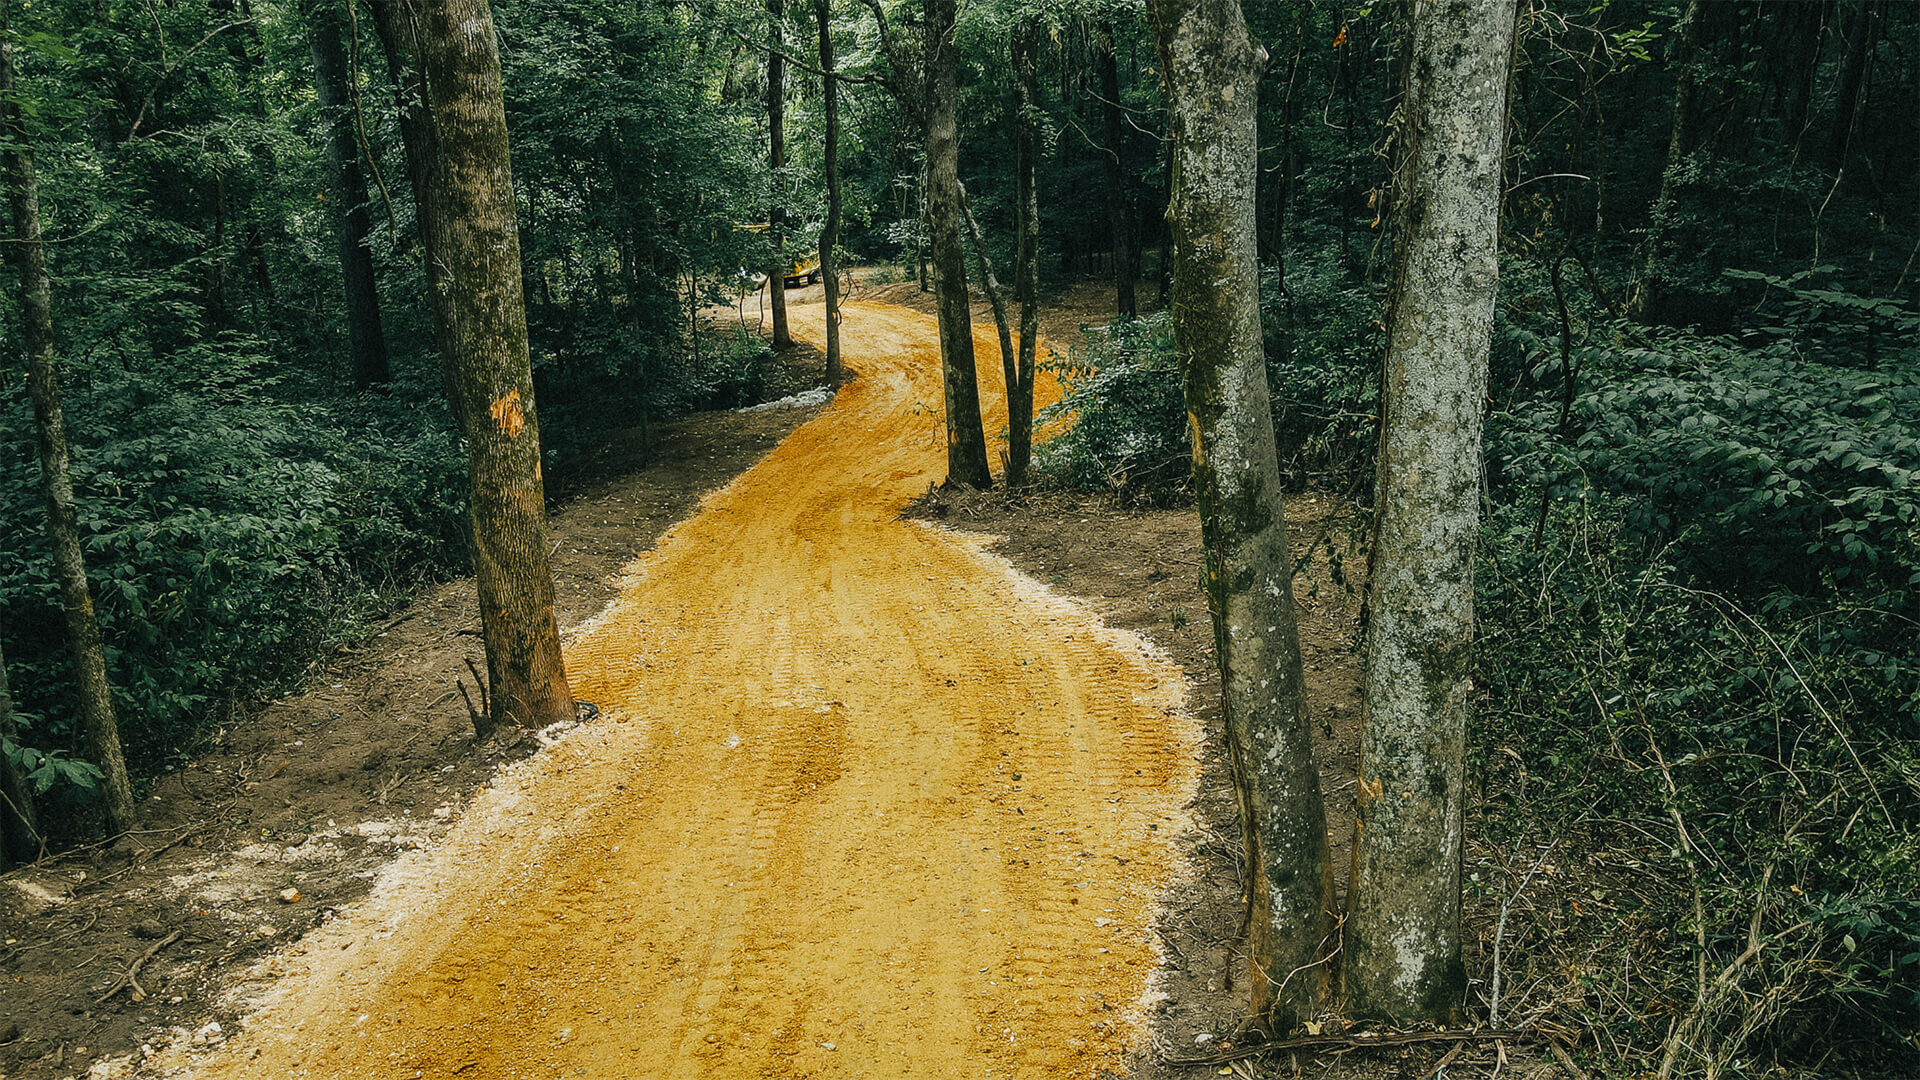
(289, 816)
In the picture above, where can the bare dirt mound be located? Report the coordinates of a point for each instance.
(861, 802)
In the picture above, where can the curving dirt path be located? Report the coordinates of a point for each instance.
(862, 802)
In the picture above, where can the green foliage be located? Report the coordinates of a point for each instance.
(227, 530)
(47, 770)
(1126, 420)
(1620, 696)
(1699, 641)
(1324, 357)
(1779, 459)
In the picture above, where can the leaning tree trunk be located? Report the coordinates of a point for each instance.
(351, 222)
(19, 825)
(830, 233)
(996, 296)
(95, 698)
(1119, 220)
(777, 164)
(1403, 913)
(966, 439)
(462, 182)
(1026, 259)
(1648, 292)
(1212, 69)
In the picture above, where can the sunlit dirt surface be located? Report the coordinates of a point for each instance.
(862, 803)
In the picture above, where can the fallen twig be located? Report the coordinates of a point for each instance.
(1566, 1062)
(130, 979)
(1351, 1042)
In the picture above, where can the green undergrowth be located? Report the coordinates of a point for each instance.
(1698, 788)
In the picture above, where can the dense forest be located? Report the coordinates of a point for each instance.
(1699, 538)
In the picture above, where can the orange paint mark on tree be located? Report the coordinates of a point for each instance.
(506, 413)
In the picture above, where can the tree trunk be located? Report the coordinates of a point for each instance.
(1846, 98)
(830, 234)
(777, 163)
(351, 222)
(462, 182)
(1644, 305)
(997, 298)
(1119, 219)
(1212, 70)
(69, 565)
(1403, 917)
(395, 23)
(1026, 259)
(966, 440)
(19, 825)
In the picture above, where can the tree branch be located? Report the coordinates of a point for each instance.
(802, 64)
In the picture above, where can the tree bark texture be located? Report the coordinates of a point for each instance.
(830, 233)
(1026, 258)
(966, 439)
(462, 181)
(1212, 69)
(19, 824)
(1645, 303)
(351, 222)
(1119, 215)
(1402, 947)
(95, 696)
(777, 166)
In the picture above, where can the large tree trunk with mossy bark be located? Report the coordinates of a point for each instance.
(830, 233)
(1402, 948)
(352, 224)
(94, 697)
(1212, 70)
(462, 183)
(966, 438)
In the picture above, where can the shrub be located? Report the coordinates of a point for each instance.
(1126, 420)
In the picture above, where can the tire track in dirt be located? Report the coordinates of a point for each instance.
(864, 803)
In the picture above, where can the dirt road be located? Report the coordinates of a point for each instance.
(862, 802)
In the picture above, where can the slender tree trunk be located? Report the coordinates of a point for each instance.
(996, 298)
(966, 440)
(396, 24)
(1403, 917)
(1119, 217)
(351, 222)
(777, 163)
(1645, 303)
(1212, 70)
(1846, 99)
(830, 234)
(462, 182)
(69, 565)
(1026, 259)
(19, 825)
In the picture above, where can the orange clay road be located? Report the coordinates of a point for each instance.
(862, 803)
